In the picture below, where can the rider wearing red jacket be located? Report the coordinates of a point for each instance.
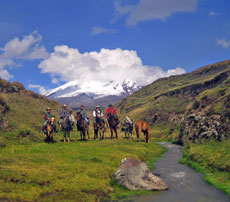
(111, 109)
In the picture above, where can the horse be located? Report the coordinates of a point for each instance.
(99, 127)
(127, 126)
(112, 120)
(142, 126)
(67, 125)
(50, 130)
(82, 126)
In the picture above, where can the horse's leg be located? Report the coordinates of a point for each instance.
(115, 130)
(95, 131)
(84, 134)
(138, 132)
(64, 136)
(68, 135)
(88, 133)
(48, 137)
(111, 130)
(147, 137)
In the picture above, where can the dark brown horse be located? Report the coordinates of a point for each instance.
(82, 126)
(50, 130)
(140, 127)
(99, 127)
(112, 120)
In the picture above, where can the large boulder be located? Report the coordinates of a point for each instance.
(135, 175)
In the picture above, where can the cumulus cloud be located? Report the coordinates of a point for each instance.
(223, 42)
(42, 90)
(153, 9)
(68, 64)
(99, 30)
(28, 48)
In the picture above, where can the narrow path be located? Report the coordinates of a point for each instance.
(185, 185)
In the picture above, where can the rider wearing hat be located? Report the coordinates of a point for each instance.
(111, 109)
(63, 113)
(84, 114)
(47, 117)
(97, 112)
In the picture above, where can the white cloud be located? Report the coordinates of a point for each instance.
(27, 48)
(69, 64)
(223, 42)
(153, 9)
(4, 74)
(42, 90)
(100, 30)
(212, 13)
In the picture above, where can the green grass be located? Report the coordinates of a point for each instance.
(78, 171)
(212, 159)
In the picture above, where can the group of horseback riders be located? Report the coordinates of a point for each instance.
(65, 113)
(66, 123)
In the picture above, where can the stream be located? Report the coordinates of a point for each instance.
(185, 185)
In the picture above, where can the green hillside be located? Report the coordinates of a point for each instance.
(167, 102)
(21, 113)
(194, 110)
(32, 170)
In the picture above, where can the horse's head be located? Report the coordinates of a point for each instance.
(71, 118)
(98, 115)
(52, 120)
(78, 116)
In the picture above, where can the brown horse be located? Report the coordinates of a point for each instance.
(140, 127)
(112, 120)
(50, 130)
(99, 127)
(82, 126)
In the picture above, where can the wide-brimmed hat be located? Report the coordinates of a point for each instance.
(48, 108)
(97, 106)
(110, 105)
(64, 105)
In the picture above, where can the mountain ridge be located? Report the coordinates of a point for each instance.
(93, 93)
(167, 102)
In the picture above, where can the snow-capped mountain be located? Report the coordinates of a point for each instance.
(91, 93)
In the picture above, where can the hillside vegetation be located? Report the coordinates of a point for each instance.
(32, 170)
(21, 113)
(194, 110)
(172, 105)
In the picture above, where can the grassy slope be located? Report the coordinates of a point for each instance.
(79, 171)
(25, 115)
(212, 159)
(31, 170)
(142, 104)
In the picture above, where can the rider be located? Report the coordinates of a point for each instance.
(47, 117)
(112, 109)
(96, 112)
(63, 113)
(84, 114)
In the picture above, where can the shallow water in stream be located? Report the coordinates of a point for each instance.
(185, 185)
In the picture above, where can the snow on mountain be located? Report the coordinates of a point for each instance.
(94, 89)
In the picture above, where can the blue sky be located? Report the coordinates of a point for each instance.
(159, 35)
